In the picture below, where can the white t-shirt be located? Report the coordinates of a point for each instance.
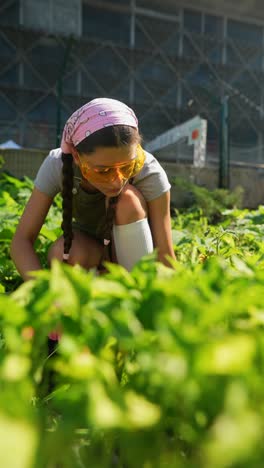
(151, 181)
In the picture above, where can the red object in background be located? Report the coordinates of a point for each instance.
(195, 134)
(55, 335)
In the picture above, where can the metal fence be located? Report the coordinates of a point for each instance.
(167, 61)
(22, 162)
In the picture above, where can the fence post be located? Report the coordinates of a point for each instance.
(224, 149)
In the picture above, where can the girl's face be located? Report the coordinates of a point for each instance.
(106, 161)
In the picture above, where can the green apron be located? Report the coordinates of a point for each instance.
(89, 212)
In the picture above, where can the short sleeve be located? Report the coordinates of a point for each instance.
(49, 177)
(152, 180)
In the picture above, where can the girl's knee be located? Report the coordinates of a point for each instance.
(131, 206)
(85, 251)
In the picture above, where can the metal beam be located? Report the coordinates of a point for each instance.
(157, 14)
(171, 66)
(149, 12)
(132, 43)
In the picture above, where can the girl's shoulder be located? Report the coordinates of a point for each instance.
(152, 180)
(49, 176)
(55, 155)
(151, 166)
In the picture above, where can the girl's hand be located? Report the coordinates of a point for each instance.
(160, 225)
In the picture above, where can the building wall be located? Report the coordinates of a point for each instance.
(251, 179)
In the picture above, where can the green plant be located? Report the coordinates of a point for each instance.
(155, 368)
(14, 194)
(159, 364)
(211, 202)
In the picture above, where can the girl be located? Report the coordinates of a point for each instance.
(111, 189)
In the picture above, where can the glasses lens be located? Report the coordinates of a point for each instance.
(139, 161)
(126, 171)
(109, 174)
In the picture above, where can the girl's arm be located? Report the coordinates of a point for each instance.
(160, 225)
(22, 247)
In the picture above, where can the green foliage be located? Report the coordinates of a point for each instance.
(210, 202)
(2, 161)
(155, 368)
(14, 194)
(169, 372)
(240, 233)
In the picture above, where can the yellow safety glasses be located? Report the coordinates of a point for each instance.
(108, 174)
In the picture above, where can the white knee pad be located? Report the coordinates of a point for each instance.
(132, 241)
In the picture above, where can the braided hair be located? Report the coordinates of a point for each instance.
(112, 136)
(67, 186)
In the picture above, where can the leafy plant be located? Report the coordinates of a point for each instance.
(14, 194)
(155, 368)
(210, 202)
(158, 372)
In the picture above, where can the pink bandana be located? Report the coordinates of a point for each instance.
(93, 116)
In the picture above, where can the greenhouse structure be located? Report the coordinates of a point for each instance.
(170, 61)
